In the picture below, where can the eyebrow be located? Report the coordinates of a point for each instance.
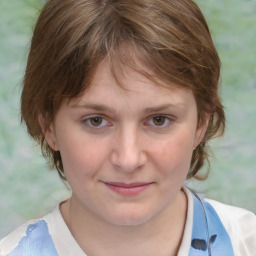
(104, 108)
(97, 107)
(163, 107)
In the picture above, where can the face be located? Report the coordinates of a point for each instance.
(126, 152)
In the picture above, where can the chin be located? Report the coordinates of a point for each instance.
(130, 218)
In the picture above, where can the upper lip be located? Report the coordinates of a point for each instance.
(128, 185)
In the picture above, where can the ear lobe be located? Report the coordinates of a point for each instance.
(201, 130)
(49, 133)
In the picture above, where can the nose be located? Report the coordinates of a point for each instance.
(128, 154)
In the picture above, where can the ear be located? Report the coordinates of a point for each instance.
(49, 133)
(201, 130)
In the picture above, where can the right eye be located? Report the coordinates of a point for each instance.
(95, 122)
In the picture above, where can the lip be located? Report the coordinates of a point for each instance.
(128, 189)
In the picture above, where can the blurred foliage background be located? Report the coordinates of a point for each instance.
(29, 190)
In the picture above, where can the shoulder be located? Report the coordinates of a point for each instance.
(234, 217)
(9, 242)
(32, 238)
(47, 236)
(240, 225)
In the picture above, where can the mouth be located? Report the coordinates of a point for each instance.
(128, 189)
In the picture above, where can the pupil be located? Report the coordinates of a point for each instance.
(159, 120)
(96, 121)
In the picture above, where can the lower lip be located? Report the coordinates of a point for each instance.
(128, 191)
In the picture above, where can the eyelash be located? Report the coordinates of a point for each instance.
(167, 121)
(87, 122)
(150, 121)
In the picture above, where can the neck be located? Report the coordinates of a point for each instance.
(161, 235)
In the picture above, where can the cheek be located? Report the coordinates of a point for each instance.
(174, 155)
(82, 163)
(81, 157)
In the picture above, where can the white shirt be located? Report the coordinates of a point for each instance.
(240, 225)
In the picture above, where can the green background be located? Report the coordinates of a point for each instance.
(28, 189)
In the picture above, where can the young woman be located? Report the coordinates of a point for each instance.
(123, 97)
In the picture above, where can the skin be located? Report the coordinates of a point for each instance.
(111, 138)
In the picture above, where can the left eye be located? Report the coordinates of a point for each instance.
(160, 121)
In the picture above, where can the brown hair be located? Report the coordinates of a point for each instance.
(72, 37)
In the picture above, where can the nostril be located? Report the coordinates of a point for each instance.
(128, 162)
(127, 152)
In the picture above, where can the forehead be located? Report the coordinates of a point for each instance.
(131, 87)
